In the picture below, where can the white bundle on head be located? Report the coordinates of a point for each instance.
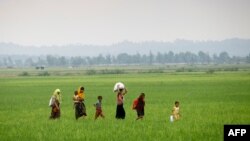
(118, 85)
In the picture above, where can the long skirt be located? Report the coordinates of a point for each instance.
(55, 112)
(80, 110)
(120, 112)
(140, 112)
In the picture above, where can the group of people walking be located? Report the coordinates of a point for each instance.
(80, 109)
(78, 104)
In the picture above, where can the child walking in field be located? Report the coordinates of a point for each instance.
(175, 112)
(98, 106)
(139, 105)
(75, 99)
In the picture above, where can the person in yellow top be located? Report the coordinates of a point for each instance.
(80, 109)
(175, 112)
(55, 101)
(81, 94)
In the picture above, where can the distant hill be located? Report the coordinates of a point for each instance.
(234, 47)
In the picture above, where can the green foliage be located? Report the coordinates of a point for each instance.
(231, 69)
(90, 72)
(115, 71)
(210, 71)
(44, 73)
(160, 70)
(104, 71)
(25, 73)
(180, 70)
(123, 59)
(206, 104)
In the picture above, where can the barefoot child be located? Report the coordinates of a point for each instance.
(175, 112)
(98, 106)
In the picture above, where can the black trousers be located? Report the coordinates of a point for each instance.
(80, 110)
(120, 112)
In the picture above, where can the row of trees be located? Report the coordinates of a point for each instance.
(124, 58)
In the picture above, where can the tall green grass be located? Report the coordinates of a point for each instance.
(207, 102)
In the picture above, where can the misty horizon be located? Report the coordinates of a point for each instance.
(122, 41)
(93, 27)
(234, 47)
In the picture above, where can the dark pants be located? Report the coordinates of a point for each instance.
(80, 110)
(120, 112)
(140, 112)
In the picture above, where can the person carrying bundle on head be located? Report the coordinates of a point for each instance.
(120, 89)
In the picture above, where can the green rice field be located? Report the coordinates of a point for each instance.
(207, 103)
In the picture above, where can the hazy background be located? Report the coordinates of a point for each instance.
(105, 22)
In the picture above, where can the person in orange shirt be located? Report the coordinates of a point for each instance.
(139, 105)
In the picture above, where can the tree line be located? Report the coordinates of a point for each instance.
(123, 59)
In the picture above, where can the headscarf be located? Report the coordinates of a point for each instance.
(81, 95)
(57, 95)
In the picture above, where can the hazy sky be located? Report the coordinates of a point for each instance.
(48, 22)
